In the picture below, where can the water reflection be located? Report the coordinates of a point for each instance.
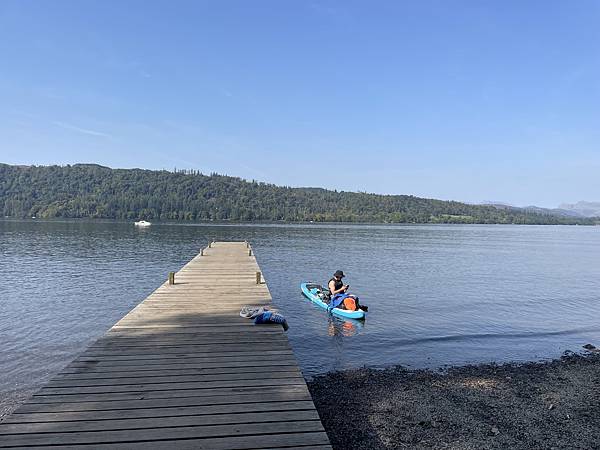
(337, 326)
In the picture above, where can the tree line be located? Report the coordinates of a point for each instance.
(93, 191)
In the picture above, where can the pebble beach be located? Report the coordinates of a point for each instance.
(538, 405)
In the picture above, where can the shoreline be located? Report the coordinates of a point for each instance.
(276, 222)
(541, 405)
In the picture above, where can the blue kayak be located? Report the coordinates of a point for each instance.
(316, 294)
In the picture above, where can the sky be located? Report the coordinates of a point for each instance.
(469, 100)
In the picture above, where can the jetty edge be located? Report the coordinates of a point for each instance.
(181, 370)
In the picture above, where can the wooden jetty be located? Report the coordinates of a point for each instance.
(182, 370)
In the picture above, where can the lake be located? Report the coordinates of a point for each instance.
(438, 294)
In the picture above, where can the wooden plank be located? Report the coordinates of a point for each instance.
(304, 447)
(181, 362)
(86, 369)
(159, 422)
(140, 413)
(225, 347)
(206, 339)
(192, 350)
(174, 386)
(207, 356)
(160, 399)
(237, 336)
(181, 370)
(173, 381)
(114, 381)
(179, 433)
(200, 358)
(220, 443)
(82, 367)
(175, 331)
(261, 370)
(209, 340)
(215, 396)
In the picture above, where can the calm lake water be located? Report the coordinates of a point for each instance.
(438, 295)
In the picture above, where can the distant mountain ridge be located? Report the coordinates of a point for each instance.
(582, 208)
(94, 191)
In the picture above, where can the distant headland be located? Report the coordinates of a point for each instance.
(94, 191)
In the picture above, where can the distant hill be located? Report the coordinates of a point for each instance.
(93, 191)
(553, 211)
(583, 209)
(562, 212)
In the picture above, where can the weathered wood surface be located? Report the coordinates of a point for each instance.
(181, 370)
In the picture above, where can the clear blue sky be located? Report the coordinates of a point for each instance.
(466, 100)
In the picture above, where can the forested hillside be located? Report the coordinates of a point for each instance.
(92, 191)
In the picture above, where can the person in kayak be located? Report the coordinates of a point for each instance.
(336, 285)
(339, 294)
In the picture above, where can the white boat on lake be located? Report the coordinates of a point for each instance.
(142, 223)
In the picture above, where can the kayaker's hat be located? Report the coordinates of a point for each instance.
(339, 273)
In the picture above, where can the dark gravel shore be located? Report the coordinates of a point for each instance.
(554, 405)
